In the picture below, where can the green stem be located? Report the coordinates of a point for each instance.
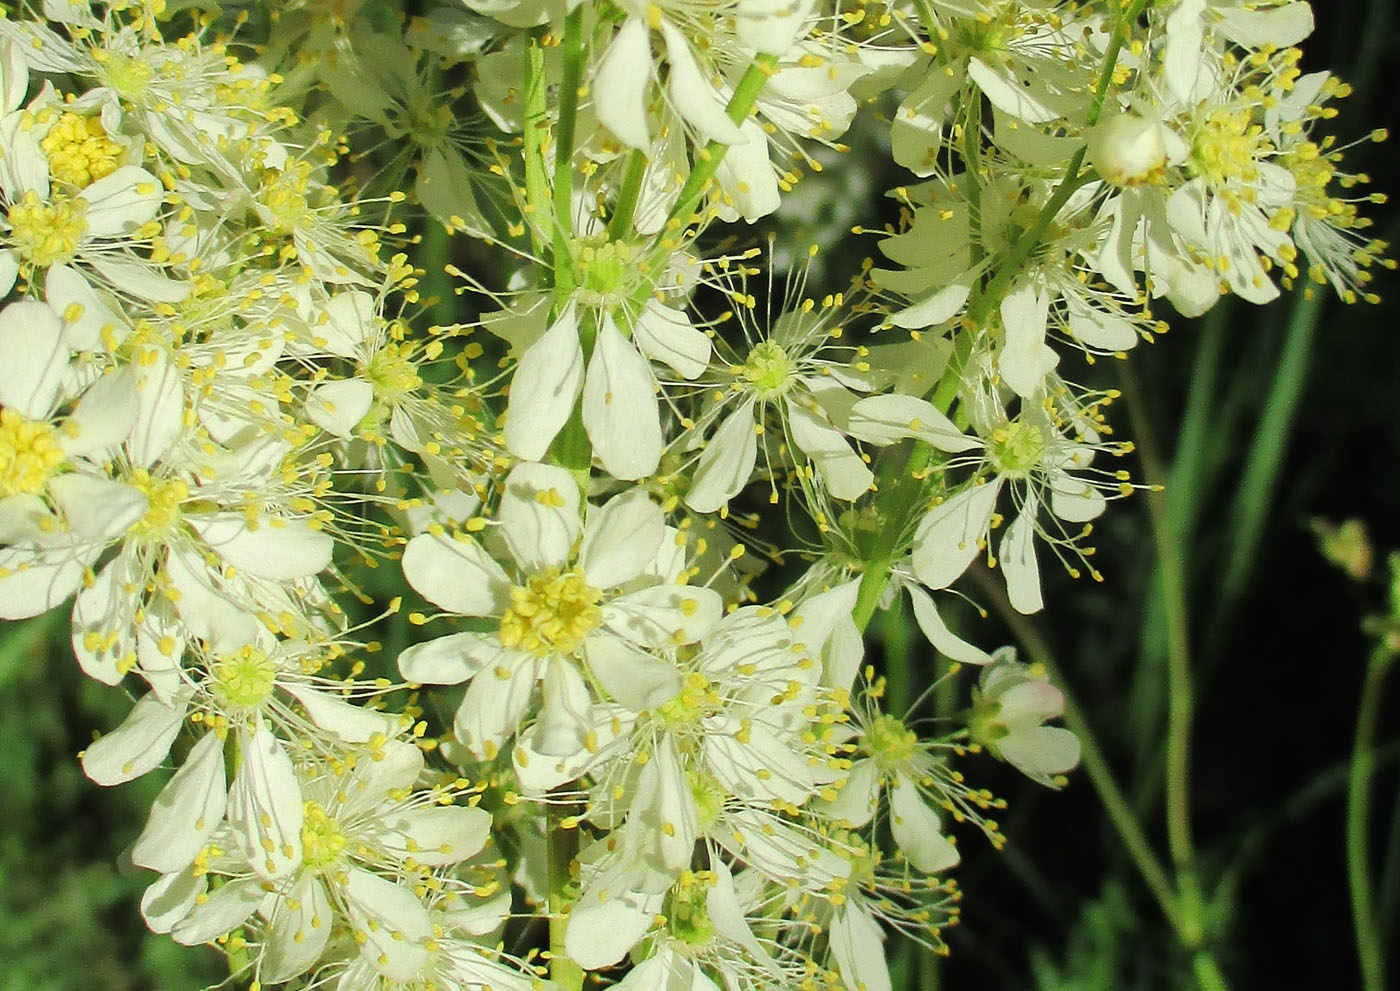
(708, 160)
(563, 846)
(621, 220)
(901, 503)
(972, 153)
(1363, 763)
(537, 200)
(1180, 704)
(564, 149)
(1120, 812)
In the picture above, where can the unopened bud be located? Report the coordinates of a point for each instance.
(1128, 150)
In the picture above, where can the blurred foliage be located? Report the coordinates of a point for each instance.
(68, 915)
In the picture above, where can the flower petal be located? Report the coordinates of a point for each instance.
(539, 516)
(726, 462)
(36, 356)
(268, 546)
(620, 410)
(187, 811)
(265, 804)
(665, 334)
(136, 746)
(691, 93)
(621, 82)
(916, 829)
(621, 539)
(456, 574)
(948, 535)
(547, 381)
(449, 660)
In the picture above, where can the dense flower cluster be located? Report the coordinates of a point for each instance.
(223, 411)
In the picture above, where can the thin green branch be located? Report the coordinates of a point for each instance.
(536, 208)
(1363, 762)
(621, 221)
(1092, 757)
(1180, 705)
(708, 158)
(564, 149)
(990, 295)
(563, 844)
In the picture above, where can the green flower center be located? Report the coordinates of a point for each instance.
(392, 374)
(709, 797)
(29, 454)
(607, 270)
(1017, 448)
(427, 125)
(552, 613)
(890, 742)
(287, 196)
(768, 370)
(689, 704)
(163, 499)
(245, 679)
(129, 77)
(687, 915)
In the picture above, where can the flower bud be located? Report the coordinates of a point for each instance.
(1128, 150)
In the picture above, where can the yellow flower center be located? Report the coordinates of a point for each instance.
(163, 497)
(890, 742)
(286, 196)
(322, 842)
(690, 703)
(47, 233)
(551, 613)
(29, 454)
(1226, 146)
(244, 679)
(79, 150)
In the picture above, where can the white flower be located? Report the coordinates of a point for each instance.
(362, 836)
(1042, 455)
(790, 374)
(58, 508)
(1012, 702)
(562, 596)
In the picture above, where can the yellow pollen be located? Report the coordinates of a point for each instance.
(285, 195)
(690, 703)
(1227, 146)
(79, 150)
(551, 613)
(29, 454)
(47, 233)
(322, 842)
(163, 497)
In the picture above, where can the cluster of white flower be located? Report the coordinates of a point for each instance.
(219, 408)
